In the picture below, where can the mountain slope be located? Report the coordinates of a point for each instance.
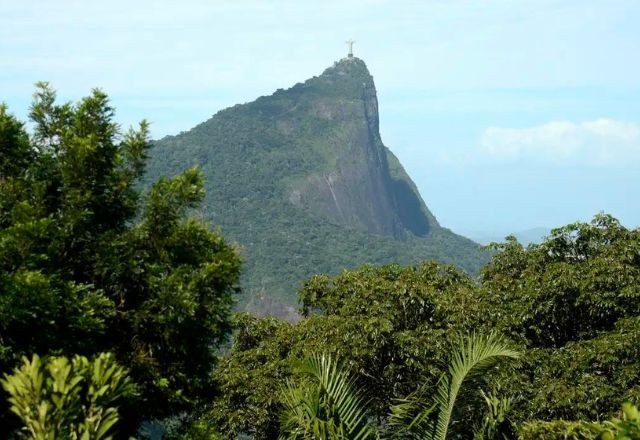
(303, 183)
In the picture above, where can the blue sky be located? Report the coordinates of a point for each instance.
(507, 114)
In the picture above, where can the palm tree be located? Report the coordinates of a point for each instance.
(330, 406)
(412, 418)
(327, 405)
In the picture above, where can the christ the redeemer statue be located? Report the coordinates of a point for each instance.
(350, 44)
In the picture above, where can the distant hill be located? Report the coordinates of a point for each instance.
(302, 182)
(533, 235)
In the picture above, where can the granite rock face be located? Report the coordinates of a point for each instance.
(356, 187)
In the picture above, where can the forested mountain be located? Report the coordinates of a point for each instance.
(302, 182)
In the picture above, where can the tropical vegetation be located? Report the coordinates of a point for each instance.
(117, 316)
(89, 264)
(65, 398)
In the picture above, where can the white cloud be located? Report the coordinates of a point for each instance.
(599, 142)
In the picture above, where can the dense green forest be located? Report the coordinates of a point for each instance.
(116, 317)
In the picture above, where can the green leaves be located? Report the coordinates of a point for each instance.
(470, 362)
(496, 423)
(62, 398)
(49, 118)
(88, 264)
(628, 427)
(475, 357)
(329, 404)
(570, 304)
(577, 283)
(392, 325)
(14, 145)
(560, 430)
(168, 200)
(326, 405)
(625, 427)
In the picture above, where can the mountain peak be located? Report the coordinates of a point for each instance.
(358, 182)
(348, 78)
(348, 66)
(353, 179)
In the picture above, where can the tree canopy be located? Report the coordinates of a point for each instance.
(569, 305)
(90, 264)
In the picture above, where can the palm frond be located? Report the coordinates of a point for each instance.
(476, 355)
(421, 416)
(329, 405)
(411, 417)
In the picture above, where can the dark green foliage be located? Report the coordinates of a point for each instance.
(579, 282)
(324, 400)
(573, 301)
(624, 427)
(559, 430)
(14, 144)
(88, 265)
(583, 380)
(195, 425)
(468, 367)
(497, 423)
(251, 376)
(394, 327)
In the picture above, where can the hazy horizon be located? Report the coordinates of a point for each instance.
(507, 116)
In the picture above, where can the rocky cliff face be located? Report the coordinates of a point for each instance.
(356, 186)
(302, 182)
